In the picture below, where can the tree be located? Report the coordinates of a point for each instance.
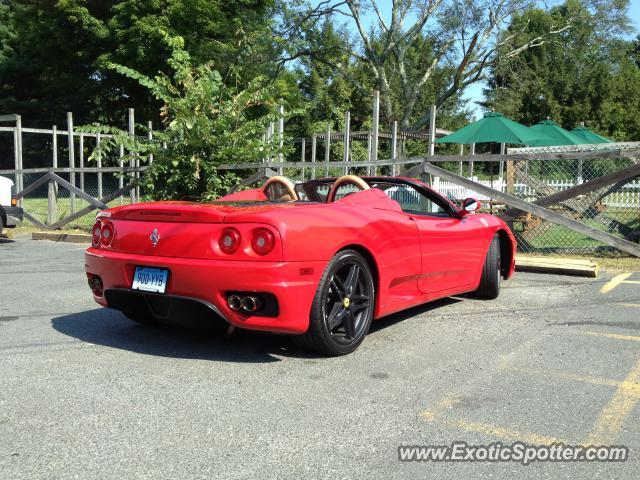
(455, 36)
(58, 51)
(206, 123)
(587, 74)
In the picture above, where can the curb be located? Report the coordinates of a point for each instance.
(558, 265)
(62, 237)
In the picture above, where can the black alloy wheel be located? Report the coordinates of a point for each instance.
(343, 306)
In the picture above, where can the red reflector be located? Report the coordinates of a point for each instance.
(306, 271)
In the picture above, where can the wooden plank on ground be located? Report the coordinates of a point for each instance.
(542, 212)
(62, 237)
(560, 265)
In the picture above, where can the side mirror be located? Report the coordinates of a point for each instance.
(470, 205)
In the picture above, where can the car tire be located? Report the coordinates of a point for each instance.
(490, 281)
(342, 309)
(1, 225)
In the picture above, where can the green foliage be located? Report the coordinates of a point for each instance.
(588, 74)
(206, 124)
(7, 31)
(55, 55)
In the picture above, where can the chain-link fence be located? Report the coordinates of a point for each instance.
(613, 208)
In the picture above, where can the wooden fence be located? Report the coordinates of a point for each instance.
(576, 198)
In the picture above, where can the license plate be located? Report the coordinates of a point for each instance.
(150, 279)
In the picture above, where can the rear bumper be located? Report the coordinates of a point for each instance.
(14, 216)
(206, 282)
(170, 309)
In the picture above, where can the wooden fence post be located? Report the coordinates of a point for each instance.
(511, 177)
(432, 137)
(394, 146)
(20, 177)
(54, 160)
(314, 142)
(121, 163)
(579, 177)
(16, 156)
(132, 162)
(150, 138)
(503, 149)
(280, 137)
(346, 139)
(54, 146)
(460, 162)
(472, 152)
(98, 140)
(270, 134)
(327, 149)
(72, 161)
(303, 153)
(81, 160)
(52, 203)
(369, 135)
(375, 128)
(432, 130)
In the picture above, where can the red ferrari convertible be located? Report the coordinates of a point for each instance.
(319, 259)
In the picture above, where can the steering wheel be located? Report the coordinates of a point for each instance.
(280, 189)
(352, 179)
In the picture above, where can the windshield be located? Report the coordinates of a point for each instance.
(411, 199)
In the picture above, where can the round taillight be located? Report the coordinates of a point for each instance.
(229, 240)
(96, 233)
(263, 241)
(107, 234)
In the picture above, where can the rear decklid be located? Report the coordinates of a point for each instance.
(190, 230)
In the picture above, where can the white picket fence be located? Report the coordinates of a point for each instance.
(627, 197)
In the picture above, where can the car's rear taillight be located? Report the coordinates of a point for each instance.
(229, 240)
(262, 241)
(96, 233)
(107, 233)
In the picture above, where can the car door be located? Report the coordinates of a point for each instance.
(452, 248)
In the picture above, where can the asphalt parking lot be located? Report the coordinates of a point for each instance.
(84, 393)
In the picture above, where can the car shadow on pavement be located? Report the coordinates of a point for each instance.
(109, 328)
(390, 320)
(106, 327)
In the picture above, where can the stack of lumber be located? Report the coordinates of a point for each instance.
(560, 265)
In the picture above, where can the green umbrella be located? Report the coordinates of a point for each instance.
(557, 135)
(494, 127)
(588, 136)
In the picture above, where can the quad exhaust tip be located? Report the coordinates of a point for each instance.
(234, 302)
(251, 304)
(248, 303)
